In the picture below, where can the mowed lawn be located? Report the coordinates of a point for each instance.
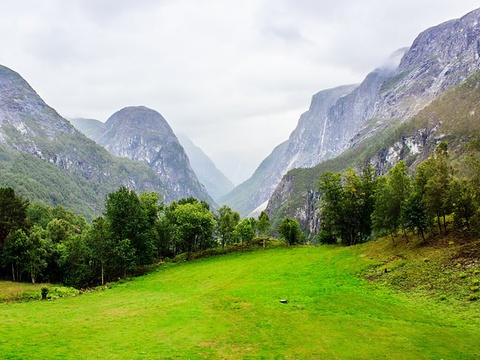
(229, 307)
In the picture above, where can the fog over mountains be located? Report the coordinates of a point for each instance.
(439, 58)
(338, 119)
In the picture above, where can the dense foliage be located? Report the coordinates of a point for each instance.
(38, 242)
(353, 205)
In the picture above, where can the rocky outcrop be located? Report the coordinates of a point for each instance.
(216, 183)
(142, 134)
(31, 127)
(302, 149)
(439, 59)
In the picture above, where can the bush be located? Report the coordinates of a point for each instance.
(325, 237)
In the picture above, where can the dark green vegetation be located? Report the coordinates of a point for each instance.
(40, 243)
(456, 113)
(229, 307)
(353, 205)
(51, 185)
(46, 160)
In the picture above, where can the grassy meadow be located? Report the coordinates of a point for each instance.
(229, 307)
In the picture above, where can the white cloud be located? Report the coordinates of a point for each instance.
(234, 76)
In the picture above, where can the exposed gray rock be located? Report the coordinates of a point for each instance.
(439, 59)
(29, 126)
(142, 134)
(302, 149)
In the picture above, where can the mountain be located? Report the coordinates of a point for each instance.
(44, 157)
(300, 150)
(86, 126)
(142, 134)
(405, 122)
(216, 183)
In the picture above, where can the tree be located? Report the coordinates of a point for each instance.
(35, 253)
(347, 203)
(74, 261)
(331, 206)
(463, 203)
(245, 230)
(59, 230)
(290, 230)
(227, 220)
(263, 225)
(415, 215)
(192, 226)
(12, 213)
(124, 256)
(99, 243)
(128, 217)
(391, 195)
(437, 194)
(13, 252)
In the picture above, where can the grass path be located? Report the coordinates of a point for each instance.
(228, 307)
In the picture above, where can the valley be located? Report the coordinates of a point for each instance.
(356, 238)
(229, 307)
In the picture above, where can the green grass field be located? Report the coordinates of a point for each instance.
(229, 307)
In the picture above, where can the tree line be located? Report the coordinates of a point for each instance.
(356, 205)
(41, 243)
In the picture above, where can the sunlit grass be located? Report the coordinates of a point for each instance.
(229, 307)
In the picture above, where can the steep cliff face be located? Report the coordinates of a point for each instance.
(30, 127)
(439, 60)
(216, 183)
(143, 135)
(302, 149)
(297, 195)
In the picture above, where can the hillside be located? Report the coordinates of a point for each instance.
(229, 307)
(142, 134)
(300, 150)
(45, 158)
(439, 58)
(453, 117)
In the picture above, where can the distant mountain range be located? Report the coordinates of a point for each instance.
(215, 182)
(343, 118)
(43, 157)
(87, 126)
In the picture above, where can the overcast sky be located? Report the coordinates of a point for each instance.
(234, 76)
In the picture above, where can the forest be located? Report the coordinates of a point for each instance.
(41, 243)
(437, 197)
(53, 244)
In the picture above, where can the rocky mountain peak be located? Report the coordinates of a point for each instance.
(22, 110)
(143, 134)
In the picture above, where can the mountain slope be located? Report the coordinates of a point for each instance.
(86, 126)
(142, 134)
(43, 154)
(300, 150)
(216, 183)
(453, 117)
(439, 59)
